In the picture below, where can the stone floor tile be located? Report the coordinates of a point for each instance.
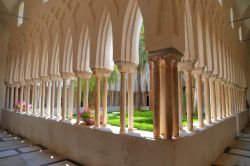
(8, 153)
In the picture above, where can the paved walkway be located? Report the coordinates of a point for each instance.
(238, 153)
(18, 151)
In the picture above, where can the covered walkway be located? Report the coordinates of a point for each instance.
(16, 150)
(238, 152)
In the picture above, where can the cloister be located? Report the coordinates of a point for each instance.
(196, 70)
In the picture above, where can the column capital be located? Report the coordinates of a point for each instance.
(101, 72)
(55, 77)
(186, 65)
(197, 71)
(83, 74)
(44, 78)
(206, 75)
(126, 67)
(28, 81)
(69, 76)
(212, 77)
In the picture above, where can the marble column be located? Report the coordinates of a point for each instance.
(59, 100)
(180, 96)
(131, 102)
(174, 113)
(226, 97)
(7, 97)
(223, 105)
(104, 101)
(189, 98)
(218, 98)
(48, 98)
(79, 96)
(34, 97)
(123, 103)
(97, 104)
(11, 97)
(71, 100)
(28, 98)
(205, 79)
(157, 98)
(197, 75)
(43, 86)
(52, 107)
(151, 92)
(64, 100)
(86, 93)
(16, 95)
(21, 96)
(213, 97)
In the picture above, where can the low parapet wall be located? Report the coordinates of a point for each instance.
(93, 147)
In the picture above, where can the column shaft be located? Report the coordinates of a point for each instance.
(43, 98)
(174, 113)
(199, 99)
(79, 95)
(64, 99)
(7, 97)
(28, 99)
(104, 102)
(206, 100)
(11, 98)
(213, 99)
(157, 100)
(123, 104)
(52, 107)
(218, 99)
(48, 101)
(180, 95)
(34, 97)
(189, 105)
(131, 103)
(86, 93)
(223, 106)
(59, 99)
(151, 92)
(71, 99)
(97, 106)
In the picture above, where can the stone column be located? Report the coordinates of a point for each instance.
(48, 101)
(189, 99)
(104, 101)
(52, 107)
(218, 97)
(213, 97)
(86, 93)
(151, 92)
(11, 97)
(64, 99)
(34, 97)
(43, 85)
(226, 99)
(123, 103)
(205, 77)
(157, 97)
(197, 75)
(21, 96)
(97, 104)
(131, 102)
(16, 95)
(174, 94)
(59, 99)
(7, 97)
(71, 100)
(180, 96)
(230, 109)
(28, 98)
(222, 94)
(79, 96)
